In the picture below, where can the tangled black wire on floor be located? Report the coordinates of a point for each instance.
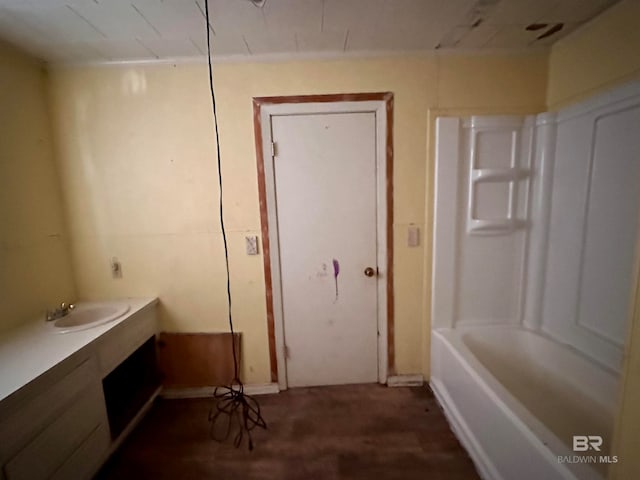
(241, 412)
(233, 410)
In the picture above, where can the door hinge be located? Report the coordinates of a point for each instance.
(274, 151)
(287, 353)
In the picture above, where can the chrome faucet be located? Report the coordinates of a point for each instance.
(63, 310)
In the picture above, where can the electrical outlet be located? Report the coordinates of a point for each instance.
(116, 268)
(252, 244)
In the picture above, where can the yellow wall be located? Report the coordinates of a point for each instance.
(600, 55)
(34, 260)
(136, 154)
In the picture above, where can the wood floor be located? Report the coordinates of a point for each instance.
(342, 432)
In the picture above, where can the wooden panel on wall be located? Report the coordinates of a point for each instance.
(190, 360)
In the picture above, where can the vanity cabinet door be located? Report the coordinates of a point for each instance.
(47, 423)
(49, 451)
(43, 401)
(86, 460)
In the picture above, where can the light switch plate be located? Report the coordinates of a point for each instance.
(413, 238)
(252, 244)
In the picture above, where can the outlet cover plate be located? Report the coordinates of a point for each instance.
(252, 244)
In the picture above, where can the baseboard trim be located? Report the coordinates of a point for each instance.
(204, 392)
(409, 380)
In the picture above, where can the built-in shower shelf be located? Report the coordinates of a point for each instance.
(494, 227)
(498, 174)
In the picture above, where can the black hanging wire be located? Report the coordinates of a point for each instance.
(233, 410)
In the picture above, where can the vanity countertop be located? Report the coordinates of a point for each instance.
(31, 349)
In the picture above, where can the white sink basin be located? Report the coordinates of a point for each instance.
(89, 316)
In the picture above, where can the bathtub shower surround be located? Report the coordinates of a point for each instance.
(536, 222)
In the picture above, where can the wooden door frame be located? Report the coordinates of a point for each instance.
(263, 109)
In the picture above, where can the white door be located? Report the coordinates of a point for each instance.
(325, 189)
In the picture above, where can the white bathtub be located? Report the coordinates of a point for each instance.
(515, 399)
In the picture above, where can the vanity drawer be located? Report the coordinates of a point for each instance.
(125, 338)
(86, 460)
(50, 449)
(39, 409)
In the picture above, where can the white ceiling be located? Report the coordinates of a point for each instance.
(104, 30)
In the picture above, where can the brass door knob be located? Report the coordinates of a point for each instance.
(369, 271)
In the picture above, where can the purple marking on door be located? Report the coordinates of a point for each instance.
(336, 272)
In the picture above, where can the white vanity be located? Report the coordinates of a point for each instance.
(67, 400)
